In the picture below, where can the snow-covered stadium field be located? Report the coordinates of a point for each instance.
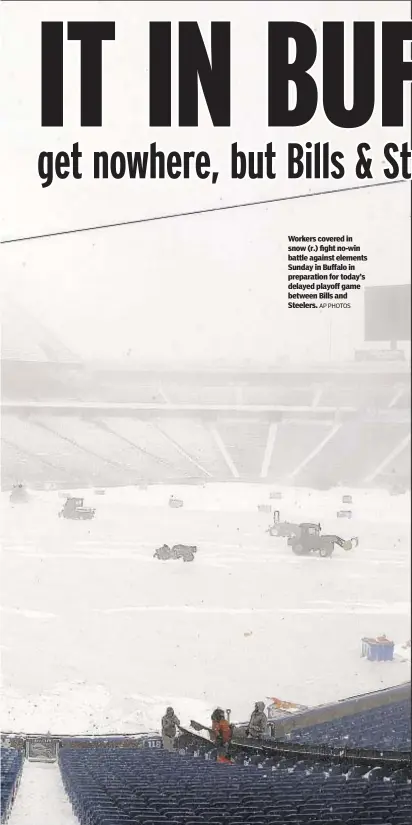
(97, 636)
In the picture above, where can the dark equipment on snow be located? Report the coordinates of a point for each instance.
(178, 551)
(74, 509)
(309, 540)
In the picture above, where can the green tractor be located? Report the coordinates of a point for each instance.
(74, 509)
(309, 540)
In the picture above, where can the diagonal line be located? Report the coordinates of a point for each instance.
(200, 212)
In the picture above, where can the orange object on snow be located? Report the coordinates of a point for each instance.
(279, 703)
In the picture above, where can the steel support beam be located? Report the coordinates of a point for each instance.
(224, 452)
(316, 450)
(387, 460)
(270, 443)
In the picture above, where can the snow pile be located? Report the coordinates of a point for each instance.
(78, 709)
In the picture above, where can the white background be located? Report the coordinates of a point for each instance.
(207, 288)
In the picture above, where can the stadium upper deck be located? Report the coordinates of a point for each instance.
(72, 424)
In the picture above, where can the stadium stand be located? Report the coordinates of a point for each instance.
(11, 768)
(150, 440)
(121, 787)
(387, 727)
(73, 425)
(124, 442)
(66, 422)
(310, 426)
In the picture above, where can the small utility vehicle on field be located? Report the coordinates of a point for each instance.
(73, 508)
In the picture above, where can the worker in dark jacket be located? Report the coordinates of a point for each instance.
(170, 723)
(258, 724)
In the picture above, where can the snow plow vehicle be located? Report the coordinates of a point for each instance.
(282, 529)
(310, 540)
(178, 551)
(73, 509)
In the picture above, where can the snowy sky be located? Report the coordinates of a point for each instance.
(200, 288)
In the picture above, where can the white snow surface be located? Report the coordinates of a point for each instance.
(98, 637)
(41, 798)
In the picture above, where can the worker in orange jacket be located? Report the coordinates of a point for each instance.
(222, 735)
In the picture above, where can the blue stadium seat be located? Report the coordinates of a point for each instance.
(386, 728)
(151, 788)
(11, 768)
